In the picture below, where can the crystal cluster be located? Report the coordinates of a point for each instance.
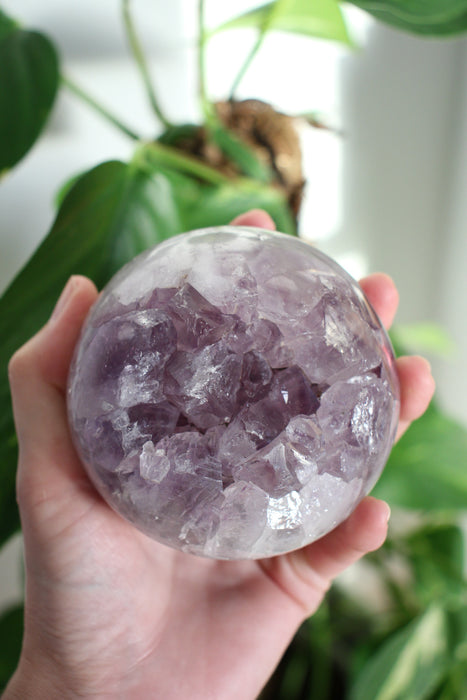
(233, 394)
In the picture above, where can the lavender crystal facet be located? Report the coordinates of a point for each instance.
(233, 394)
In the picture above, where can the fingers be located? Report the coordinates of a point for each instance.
(382, 294)
(38, 372)
(416, 382)
(417, 387)
(256, 217)
(306, 574)
(64, 326)
(364, 531)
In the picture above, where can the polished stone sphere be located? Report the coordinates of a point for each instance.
(233, 394)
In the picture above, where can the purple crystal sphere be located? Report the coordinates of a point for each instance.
(233, 393)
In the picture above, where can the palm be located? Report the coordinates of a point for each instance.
(112, 611)
(141, 607)
(128, 609)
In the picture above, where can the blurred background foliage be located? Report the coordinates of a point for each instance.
(395, 628)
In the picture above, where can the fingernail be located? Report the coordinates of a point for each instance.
(428, 364)
(388, 512)
(63, 299)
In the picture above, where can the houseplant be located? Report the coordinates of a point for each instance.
(110, 213)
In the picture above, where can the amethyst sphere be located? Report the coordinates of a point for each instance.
(233, 394)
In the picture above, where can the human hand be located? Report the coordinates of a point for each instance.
(110, 613)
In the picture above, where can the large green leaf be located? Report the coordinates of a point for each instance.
(28, 84)
(427, 11)
(147, 215)
(428, 17)
(457, 681)
(411, 663)
(11, 635)
(201, 204)
(200, 207)
(322, 19)
(436, 556)
(110, 214)
(7, 25)
(426, 469)
(220, 205)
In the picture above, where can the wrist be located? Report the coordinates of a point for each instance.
(21, 687)
(28, 683)
(41, 679)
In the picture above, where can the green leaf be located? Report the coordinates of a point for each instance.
(457, 680)
(147, 215)
(111, 214)
(240, 154)
(423, 338)
(231, 146)
(11, 636)
(175, 134)
(445, 29)
(427, 11)
(65, 188)
(28, 85)
(7, 25)
(207, 203)
(427, 17)
(426, 468)
(436, 556)
(443, 545)
(222, 204)
(322, 19)
(200, 205)
(409, 665)
(457, 621)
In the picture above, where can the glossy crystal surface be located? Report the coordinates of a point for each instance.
(233, 393)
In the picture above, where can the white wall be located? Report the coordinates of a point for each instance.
(404, 109)
(388, 194)
(451, 251)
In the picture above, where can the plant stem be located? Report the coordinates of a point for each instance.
(171, 157)
(201, 59)
(140, 59)
(275, 10)
(100, 109)
(278, 7)
(247, 62)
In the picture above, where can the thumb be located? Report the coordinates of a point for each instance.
(48, 467)
(306, 574)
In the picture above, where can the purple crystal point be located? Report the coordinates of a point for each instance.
(233, 394)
